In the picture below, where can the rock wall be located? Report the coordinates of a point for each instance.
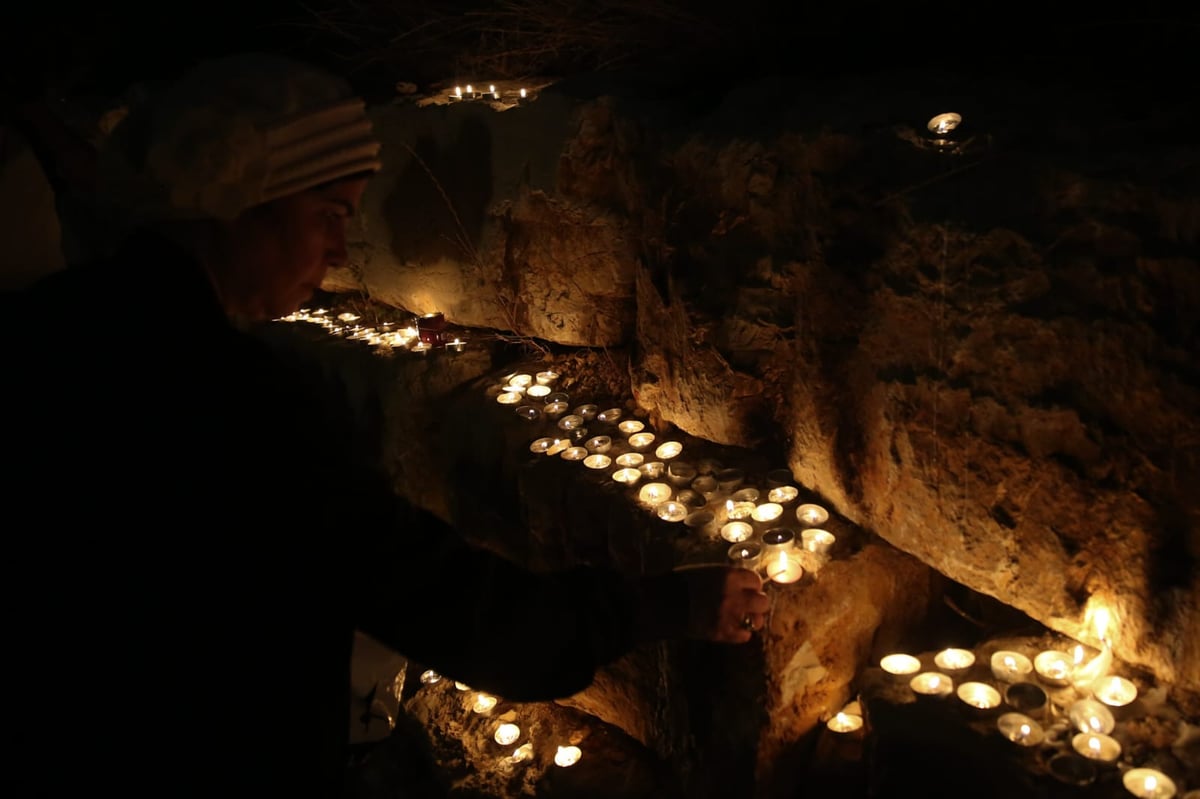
(981, 351)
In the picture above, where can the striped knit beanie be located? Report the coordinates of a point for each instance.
(233, 133)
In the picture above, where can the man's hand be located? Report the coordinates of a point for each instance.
(728, 604)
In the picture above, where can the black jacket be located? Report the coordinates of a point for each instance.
(191, 545)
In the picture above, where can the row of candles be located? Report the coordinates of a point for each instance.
(506, 732)
(704, 496)
(469, 93)
(1081, 696)
(420, 335)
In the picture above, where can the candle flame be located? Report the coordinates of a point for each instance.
(1094, 744)
(469, 89)
(458, 91)
(1151, 783)
(522, 92)
(1098, 619)
(1025, 729)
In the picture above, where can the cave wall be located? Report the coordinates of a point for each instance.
(983, 351)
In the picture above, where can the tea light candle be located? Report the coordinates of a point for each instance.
(1025, 697)
(601, 444)
(952, 659)
(730, 479)
(1072, 769)
(845, 722)
(430, 677)
(745, 495)
(767, 512)
(1087, 671)
(736, 531)
(587, 412)
(461, 686)
(597, 461)
(812, 515)
(521, 379)
(979, 695)
(1114, 691)
(546, 378)
(783, 494)
(1053, 667)
(574, 453)
(630, 426)
(699, 519)
(558, 446)
(783, 568)
(681, 473)
(633, 459)
(627, 476)
(817, 540)
(1096, 746)
(746, 555)
(1088, 715)
(668, 450)
(652, 469)
(570, 422)
(693, 499)
(567, 756)
(900, 664)
(651, 494)
(507, 734)
(484, 703)
(641, 441)
(508, 397)
(528, 413)
(610, 415)
(671, 511)
(1010, 666)
(735, 511)
(536, 392)
(931, 683)
(555, 409)
(1020, 729)
(522, 752)
(539, 446)
(1148, 783)
(706, 484)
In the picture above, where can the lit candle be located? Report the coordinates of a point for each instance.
(456, 345)
(522, 752)
(641, 440)
(736, 532)
(458, 95)
(423, 348)
(784, 568)
(528, 413)
(746, 555)
(899, 664)
(1087, 671)
(627, 476)
(1114, 691)
(574, 454)
(668, 450)
(1148, 783)
(539, 446)
(507, 734)
(601, 444)
(1020, 729)
(1010, 666)
(430, 677)
(492, 91)
(817, 541)
(535, 392)
(570, 422)
(470, 90)
(611, 415)
(812, 515)
(484, 703)
(1096, 746)
(953, 659)
(1088, 715)
(979, 695)
(735, 511)
(587, 411)
(767, 512)
(554, 409)
(630, 426)
(567, 756)
(1025, 697)
(931, 683)
(597, 461)
(651, 494)
(560, 445)
(671, 511)
(547, 378)
(1053, 667)
(630, 459)
(845, 722)
(521, 379)
(783, 494)
(523, 94)
(652, 469)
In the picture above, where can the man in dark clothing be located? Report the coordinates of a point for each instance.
(188, 519)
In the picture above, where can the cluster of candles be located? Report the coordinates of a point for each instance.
(1073, 690)
(468, 92)
(702, 495)
(506, 732)
(416, 336)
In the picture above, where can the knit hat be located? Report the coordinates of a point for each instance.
(232, 133)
